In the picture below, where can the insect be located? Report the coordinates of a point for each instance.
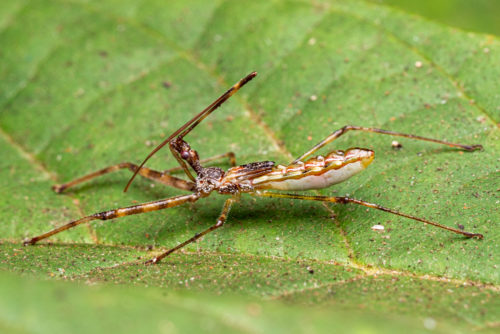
(255, 178)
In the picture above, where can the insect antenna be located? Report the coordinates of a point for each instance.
(190, 125)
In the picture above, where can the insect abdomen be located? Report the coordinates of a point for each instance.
(316, 173)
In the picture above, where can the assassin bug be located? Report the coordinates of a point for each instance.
(254, 178)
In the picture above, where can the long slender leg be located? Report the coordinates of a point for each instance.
(190, 125)
(347, 128)
(117, 213)
(220, 222)
(345, 200)
(146, 172)
(230, 155)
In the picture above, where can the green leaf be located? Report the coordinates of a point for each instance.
(29, 306)
(84, 85)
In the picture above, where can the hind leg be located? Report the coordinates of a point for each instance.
(348, 128)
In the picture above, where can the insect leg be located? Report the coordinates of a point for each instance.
(117, 213)
(346, 200)
(230, 155)
(220, 222)
(347, 128)
(146, 172)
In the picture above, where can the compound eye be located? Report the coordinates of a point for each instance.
(184, 154)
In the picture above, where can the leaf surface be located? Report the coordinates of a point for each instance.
(104, 82)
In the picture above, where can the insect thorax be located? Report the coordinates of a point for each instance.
(213, 178)
(209, 179)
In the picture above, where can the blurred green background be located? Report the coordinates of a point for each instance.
(474, 15)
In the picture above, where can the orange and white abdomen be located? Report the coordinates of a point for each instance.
(316, 173)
